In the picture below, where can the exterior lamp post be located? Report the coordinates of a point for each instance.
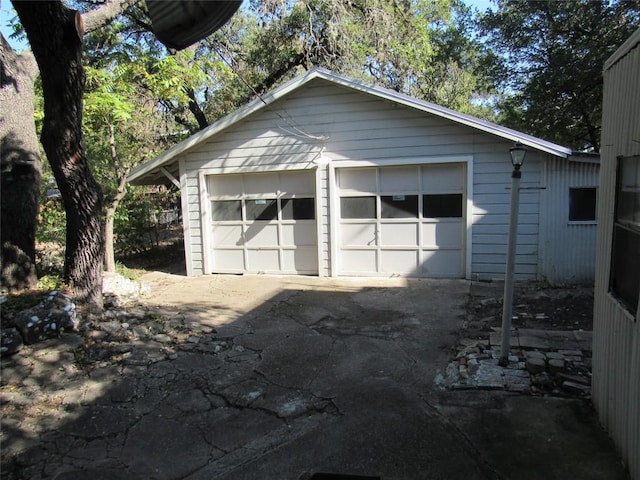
(517, 152)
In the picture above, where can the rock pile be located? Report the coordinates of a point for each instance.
(551, 370)
(57, 313)
(118, 290)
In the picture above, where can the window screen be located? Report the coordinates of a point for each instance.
(582, 204)
(442, 205)
(358, 207)
(261, 209)
(226, 210)
(399, 206)
(298, 209)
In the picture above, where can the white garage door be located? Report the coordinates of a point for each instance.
(407, 220)
(264, 223)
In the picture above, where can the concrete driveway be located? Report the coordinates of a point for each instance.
(259, 377)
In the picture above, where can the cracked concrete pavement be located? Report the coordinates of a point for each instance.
(261, 377)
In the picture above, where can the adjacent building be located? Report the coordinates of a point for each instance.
(616, 330)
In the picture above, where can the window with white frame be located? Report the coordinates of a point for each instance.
(625, 256)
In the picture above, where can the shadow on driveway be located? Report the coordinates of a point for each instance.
(256, 377)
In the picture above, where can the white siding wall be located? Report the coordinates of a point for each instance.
(492, 191)
(567, 249)
(192, 224)
(352, 126)
(616, 339)
(324, 260)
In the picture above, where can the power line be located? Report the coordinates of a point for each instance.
(297, 132)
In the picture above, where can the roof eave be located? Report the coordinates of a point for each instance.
(223, 123)
(272, 96)
(468, 120)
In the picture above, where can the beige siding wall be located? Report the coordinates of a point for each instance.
(616, 345)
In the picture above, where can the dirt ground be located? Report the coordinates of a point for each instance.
(536, 305)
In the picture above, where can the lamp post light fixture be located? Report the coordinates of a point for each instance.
(517, 152)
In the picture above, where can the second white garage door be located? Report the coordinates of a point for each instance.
(264, 223)
(407, 220)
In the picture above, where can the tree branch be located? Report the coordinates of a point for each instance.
(195, 109)
(96, 18)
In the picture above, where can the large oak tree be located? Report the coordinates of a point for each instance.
(55, 37)
(20, 161)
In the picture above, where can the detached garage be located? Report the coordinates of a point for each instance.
(330, 176)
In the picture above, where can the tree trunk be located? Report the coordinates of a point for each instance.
(121, 191)
(109, 254)
(20, 177)
(54, 33)
(195, 109)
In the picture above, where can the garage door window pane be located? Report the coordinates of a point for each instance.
(226, 210)
(442, 206)
(399, 206)
(298, 209)
(358, 207)
(261, 209)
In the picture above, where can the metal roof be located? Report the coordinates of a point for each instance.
(630, 43)
(136, 176)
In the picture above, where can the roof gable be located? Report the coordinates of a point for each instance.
(171, 155)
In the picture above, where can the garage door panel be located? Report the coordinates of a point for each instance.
(358, 234)
(229, 260)
(444, 177)
(404, 262)
(301, 233)
(263, 222)
(261, 234)
(225, 185)
(399, 234)
(408, 220)
(399, 179)
(301, 183)
(358, 261)
(300, 259)
(358, 180)
(263, 260)
(442, 263)
(227, 235)
(260, 183)
(443, 234)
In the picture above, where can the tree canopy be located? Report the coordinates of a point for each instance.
(548, 59)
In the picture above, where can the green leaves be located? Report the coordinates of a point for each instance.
(550, 60)
(418, 47)
(108, 98)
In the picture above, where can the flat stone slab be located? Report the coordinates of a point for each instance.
(534, 341)
(529, 338)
